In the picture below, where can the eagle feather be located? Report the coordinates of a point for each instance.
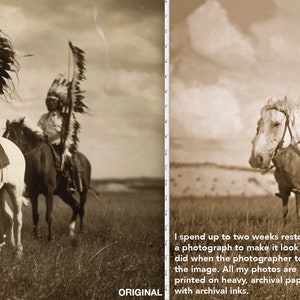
(75, 104)
(8, 65)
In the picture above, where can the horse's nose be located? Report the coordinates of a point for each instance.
(256, 160)
(259, 159)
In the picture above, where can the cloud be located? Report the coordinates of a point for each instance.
(125, 96)
(204, 112)
(278, 40)
(292, 7)
(222, 76)
(214, 36)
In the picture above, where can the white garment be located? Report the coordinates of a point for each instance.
(51, 124)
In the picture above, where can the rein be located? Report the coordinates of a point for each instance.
(29, 152)
(286, 126)
(280, 144)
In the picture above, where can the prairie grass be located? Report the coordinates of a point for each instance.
(234, 215)
(121, 247)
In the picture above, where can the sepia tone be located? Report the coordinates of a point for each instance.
(122, 135)
(228, 58)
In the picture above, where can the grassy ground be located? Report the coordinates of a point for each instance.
(235, 215)
(129, 224)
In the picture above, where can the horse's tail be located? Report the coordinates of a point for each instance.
(95, 193)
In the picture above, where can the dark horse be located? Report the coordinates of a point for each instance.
(43, 177)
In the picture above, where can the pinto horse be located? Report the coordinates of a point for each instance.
(12, 171)
(43, 177)
(12, 183)
(277, 141)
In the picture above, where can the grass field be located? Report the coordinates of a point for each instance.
(129, 224)
(234, 215)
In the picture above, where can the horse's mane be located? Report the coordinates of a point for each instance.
(30, 135)
(284, 105)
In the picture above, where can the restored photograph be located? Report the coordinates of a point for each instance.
(81, 149)
(234, 149)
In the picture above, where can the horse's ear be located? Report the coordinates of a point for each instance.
(7, 123)
(22, 120)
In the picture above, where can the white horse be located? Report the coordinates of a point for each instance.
(11, 176)
(12, 184)
(277, 140)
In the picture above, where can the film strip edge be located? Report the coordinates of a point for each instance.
(166, 150)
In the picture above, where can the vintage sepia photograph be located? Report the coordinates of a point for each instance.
(234, 149)
(81, 149)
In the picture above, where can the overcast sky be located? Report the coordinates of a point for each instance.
(227, 59)
(123, 41)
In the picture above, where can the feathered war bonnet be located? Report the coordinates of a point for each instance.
(58, 91)
(8, 65)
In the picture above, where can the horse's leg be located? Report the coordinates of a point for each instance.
(67, 198)
(285, 198)
(84, 176)
(7, 216)
(284, 192)
(285, 207)
(2, 225)
(35, 214)
(17, 202)
(83, 197)
(298, 205)
(49, 207)
(9, 224)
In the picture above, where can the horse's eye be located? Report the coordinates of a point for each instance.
(276, 124)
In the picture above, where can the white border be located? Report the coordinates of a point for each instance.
(167, 157)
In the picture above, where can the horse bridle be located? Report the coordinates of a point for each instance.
(286, 126)
(280, 144)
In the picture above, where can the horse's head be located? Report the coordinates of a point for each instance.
(14, 131)
(271, 131)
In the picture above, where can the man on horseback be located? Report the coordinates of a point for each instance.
(52, 121)
(52, 124)
(63, 101)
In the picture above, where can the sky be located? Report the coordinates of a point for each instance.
(123, 134)
(227, 59)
